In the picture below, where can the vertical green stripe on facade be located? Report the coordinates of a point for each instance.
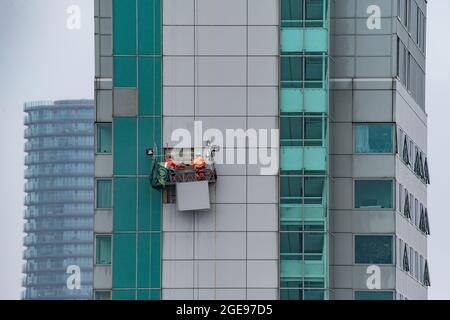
(136, 265)
(303, 104)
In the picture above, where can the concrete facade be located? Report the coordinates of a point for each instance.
(366, 89)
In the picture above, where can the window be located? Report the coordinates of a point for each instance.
(302, 190)
(303, 72)
(103, 249)
(373, 194)
(421, 30)
(374, 138)
(413, 23)
(303, 13)
(104, 194)
(426, 275)
(405, 261)
(407, 208)
(292, 71)
(405, 155)
(303, 131)
(399, 249)
(402, 8)
(424, 224)
(427, 222)
(402, 62)
(291, 244)
(104, 137)
(313, 69)
(373, 249)
(314, 12)
(374, 295)
(426, 172)
(102, 295)
(292, 12)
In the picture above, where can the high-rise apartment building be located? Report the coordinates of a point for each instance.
(59, 195)
(318, 110)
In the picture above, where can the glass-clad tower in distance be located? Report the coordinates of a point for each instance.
(59, 198)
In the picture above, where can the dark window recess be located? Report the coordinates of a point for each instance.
(169, 195)
(407, 209)
(427, 222)
(426, 172)
(424, 224)
(426, 275)
(417, 164)
(405, 259)
(421, 174)
(406, 152)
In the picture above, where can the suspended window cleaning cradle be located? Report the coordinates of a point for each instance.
(168, 170)
(190, 173)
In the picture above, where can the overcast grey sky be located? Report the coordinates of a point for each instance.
(40, 59)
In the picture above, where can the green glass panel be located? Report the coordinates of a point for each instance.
(291, 130)
(315, 100)
(291, 100)
(374, 295)
(296, 40)
(125, 70)
(124, 295)
(292, 10)
(291, 188)
(314, 243)
(303, 154)
(125, 143)
(314, 69)
(314, 216)
(124, 261)
(290, 268)
(149, 209)
(316, 39)
(148, 294)
(373, 249)
(291, 294)
(291, 158)
(102, 295)
(315, 9)
(291, 40)
(374, 138)
(291, 71)
(104, 194)
(124, 204)
(104, 138)
(103, 249)
(149, 259)
(149, 86)
(315, 158)
(149, 137)
(373, 194)
(149, 24)
(314, 295)
(291, 243)
(314, 128)
(314, 270)
(290, 214)
(315, 191)
(124, 29)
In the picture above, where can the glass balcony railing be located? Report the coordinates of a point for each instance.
(294, 40)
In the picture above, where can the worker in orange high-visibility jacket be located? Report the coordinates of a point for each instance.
(199, 164)
(170, 163)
